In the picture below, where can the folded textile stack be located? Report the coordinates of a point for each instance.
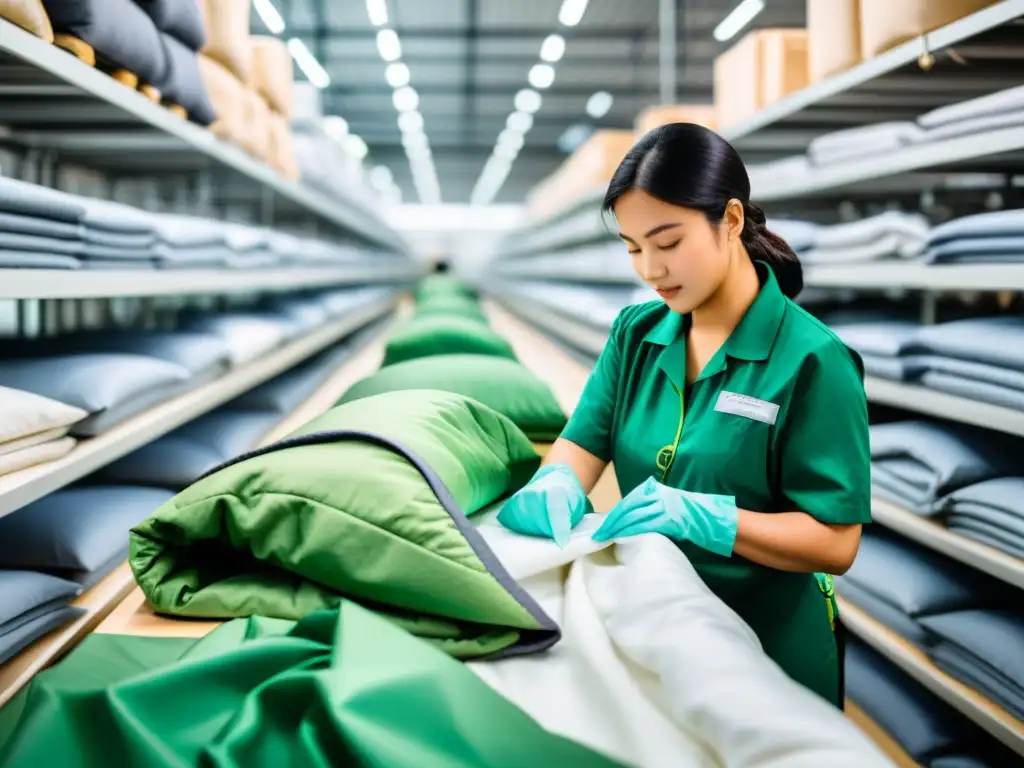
(852, 144)
(596, 306)
(991, 512)
(899, 584)
(31, 605)
(799, 235)
(982, 648)
(888, 235)
(915, 464)
(927, 728)
(34, 429)
(996, 237)
(1003, 109)
(979, 359)
(887, 347)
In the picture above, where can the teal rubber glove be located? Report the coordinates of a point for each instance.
(707, 520)
(550, 505)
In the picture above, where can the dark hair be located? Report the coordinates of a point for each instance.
(690, 166)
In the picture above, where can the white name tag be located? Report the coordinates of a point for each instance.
(747, 407)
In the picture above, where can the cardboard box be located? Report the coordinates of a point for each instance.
(227, 35)
(29, 15)
(884, 24)
(764, 66)
(256, 133)
(833, 37)
(282, 148)
(590, 167)
(654, 117)
(273, 74)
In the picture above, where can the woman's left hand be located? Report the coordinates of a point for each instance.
(707, 520)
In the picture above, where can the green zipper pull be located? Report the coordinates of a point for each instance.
(667, 455)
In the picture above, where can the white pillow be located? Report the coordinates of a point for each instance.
(23, 414)
(40, 453)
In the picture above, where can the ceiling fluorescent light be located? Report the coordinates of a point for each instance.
(397, 74)
(336, 127)
(541, 76)
(310, 67)
(355, 146)
(572, 12)
(511, 139)
(528, 101)
(410, 122)
(377, 10)
(269, 16)
(388, 46)
(599, 104)
(405, 99)
(553, 48)
(741, 15)
(520, 122)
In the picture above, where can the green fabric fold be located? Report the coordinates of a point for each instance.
(339, 688)
(444, 335)
(367, 502)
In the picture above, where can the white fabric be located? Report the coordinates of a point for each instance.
(12, 446)
(1008, 100)
(247, 338)
(23, 414)
(854, 143)
(653, 669)
(909, 226)
(32, 455)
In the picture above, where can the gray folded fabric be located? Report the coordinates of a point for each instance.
(975, 126)
(180, 18)
(21, 638)
(885, 247)
(30, 260)
(983, 373)
(119, 30)
(908, 227)
(1002, 494)
(183, 83)
(865, 141)
(883, 612)
(120, 265)
(26, 199)
(111, 387)
(924, 725)
(1000, 102)
(16, 223)
(1009, 223)
(996, 341)
(889, 338)
(26, 595)
(284, 393)
(982, 648)
(972, 389)
(1007, 249)
(893, 368)
(918, 462)
(178, 459)
(800, 235)
(989, 533)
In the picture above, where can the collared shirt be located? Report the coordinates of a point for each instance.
(777, 418)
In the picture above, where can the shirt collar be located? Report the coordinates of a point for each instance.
(753, 338)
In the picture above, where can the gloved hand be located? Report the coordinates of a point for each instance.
(550, 505)
(707, 520)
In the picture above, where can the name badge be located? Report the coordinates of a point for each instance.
(747, 407)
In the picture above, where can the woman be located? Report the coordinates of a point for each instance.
(736, 422)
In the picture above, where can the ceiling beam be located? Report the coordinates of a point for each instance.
(358, 34)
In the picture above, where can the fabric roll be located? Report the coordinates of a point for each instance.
(983, 650)
(915, 463)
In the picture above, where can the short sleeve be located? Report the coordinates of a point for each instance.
(825, 449)
(591, 423)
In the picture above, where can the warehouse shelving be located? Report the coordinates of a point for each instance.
(84, 284)
(24, 487)
(118, 590)
(934, 536)
(918, 276)
(52, 101)
(990, 716)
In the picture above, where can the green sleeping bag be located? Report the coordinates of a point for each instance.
(451, 305)
(442, 285)
(444, 335)
(339, 688)
(368, 502)
(504, 385)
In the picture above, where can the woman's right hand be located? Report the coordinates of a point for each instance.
(549, 506)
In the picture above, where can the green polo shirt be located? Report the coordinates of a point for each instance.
(777, 418)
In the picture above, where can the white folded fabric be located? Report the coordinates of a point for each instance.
(33, 455)
(25, 414)
(1008, 100)
(865, 141)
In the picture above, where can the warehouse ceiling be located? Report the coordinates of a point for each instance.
(467, 60)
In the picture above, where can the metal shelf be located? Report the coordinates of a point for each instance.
(915, 275)
(26, 486)
(893, 86)
(114, 590)
(986, 713)
(51, 100)
(85, 284)
(919, 399)
(583, 336)
(932, 535)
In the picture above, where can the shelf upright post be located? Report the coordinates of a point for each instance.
(667, 51)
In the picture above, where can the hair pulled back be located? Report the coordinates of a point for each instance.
(690, 166)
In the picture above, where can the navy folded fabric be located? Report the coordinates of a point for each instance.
(118, 30)
(925, 726)
(179, 18)
(183, 83)
(883, 612)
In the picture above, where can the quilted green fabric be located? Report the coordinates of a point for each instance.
(504, 385)
(368, 502)
(444, 335)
